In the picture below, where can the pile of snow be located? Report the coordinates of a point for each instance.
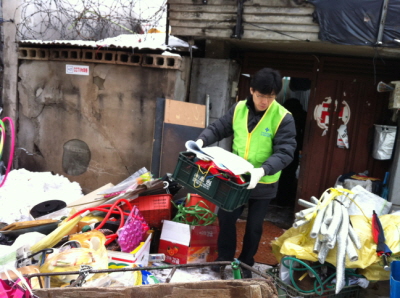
(24, 189)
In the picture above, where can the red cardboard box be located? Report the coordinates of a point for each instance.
(185, 244)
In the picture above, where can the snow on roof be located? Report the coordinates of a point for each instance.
(153, 41)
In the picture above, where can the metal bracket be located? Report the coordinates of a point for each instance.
(238, 29)
(83, 274)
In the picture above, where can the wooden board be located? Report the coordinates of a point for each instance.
(185, 113)
(158, 135)
(260, 288)
(27, 224)
(174, 139)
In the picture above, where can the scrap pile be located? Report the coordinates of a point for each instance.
(343, 231)
(111, 228)
(331, 228)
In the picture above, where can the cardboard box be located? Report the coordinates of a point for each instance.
(118, 259)
(185, 244)
(92, 199)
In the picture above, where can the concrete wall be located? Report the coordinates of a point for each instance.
(218, 78)
(10, 58)
(100, 125)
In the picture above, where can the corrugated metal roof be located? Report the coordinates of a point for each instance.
(152, 41)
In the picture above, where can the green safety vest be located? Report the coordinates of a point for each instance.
(257, 146)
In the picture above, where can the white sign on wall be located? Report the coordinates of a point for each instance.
(82, 70)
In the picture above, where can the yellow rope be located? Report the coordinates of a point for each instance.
(197, 174)
(333, 193)
(362, 211)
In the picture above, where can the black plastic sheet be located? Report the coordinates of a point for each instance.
(356, 22)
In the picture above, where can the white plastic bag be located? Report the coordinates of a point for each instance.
(368, 202)
(384, 139)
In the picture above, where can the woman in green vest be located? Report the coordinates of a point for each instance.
(264, 134)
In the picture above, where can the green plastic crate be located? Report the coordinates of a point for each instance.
(225, 194)
(285, 290)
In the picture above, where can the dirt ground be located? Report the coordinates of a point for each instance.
(264, 254)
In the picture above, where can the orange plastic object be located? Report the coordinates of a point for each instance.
(154, 208)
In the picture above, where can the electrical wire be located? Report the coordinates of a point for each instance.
(276, 31)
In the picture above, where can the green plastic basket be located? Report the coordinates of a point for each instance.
(225, 194)
(285, 290)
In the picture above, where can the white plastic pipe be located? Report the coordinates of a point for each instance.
(304, 212)
(314, 200)
(341, 250)
(317, 223)
(351, 251)
(323, 253)
(337, 219)
(317, 246)
(323, 232)
(306, 204)
(332, 243)
(329, 214)
(300, 223)
(354, 237)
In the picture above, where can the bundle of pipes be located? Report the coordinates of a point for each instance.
(331, 228)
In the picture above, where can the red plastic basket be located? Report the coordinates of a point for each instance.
(197, 199)
(154, 208)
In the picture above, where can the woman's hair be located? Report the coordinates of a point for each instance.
(267, 81)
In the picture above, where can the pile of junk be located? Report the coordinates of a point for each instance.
(109, 228)
(340, 242)
(114, 236)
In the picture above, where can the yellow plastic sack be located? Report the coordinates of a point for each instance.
(54, 237)
(298, 243)
(92, 253)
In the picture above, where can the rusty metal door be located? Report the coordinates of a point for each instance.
(343, 90)
(337, 101)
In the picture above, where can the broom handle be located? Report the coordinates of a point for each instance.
(386, 267)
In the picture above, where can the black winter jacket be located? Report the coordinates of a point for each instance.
(284, 144)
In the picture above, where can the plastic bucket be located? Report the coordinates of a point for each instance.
(395, 279)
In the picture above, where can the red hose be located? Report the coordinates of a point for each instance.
(112, 237)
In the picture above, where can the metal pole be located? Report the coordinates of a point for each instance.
(207, 110)
(382, 22)
(167, 27)
(170, 275)
(129, 269)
